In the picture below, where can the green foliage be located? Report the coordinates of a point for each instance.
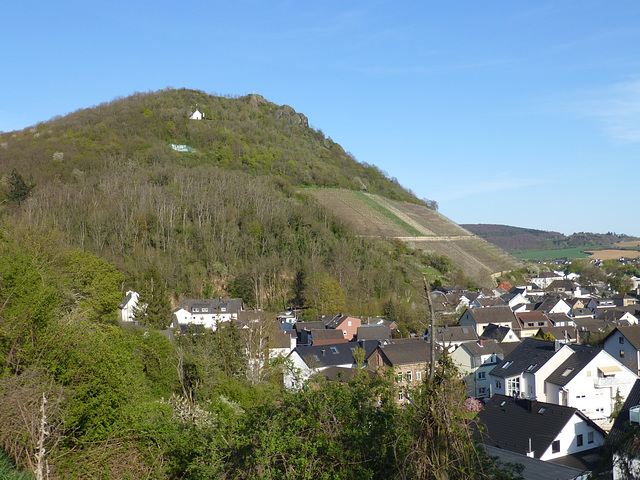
(8, 470)
(325, 295)
(94, 285)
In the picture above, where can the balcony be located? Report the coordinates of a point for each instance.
(602, 382)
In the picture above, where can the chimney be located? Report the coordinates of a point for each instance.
(530, 452)
(480, 342)
(323, 352)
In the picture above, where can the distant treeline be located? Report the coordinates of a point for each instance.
(516, 239)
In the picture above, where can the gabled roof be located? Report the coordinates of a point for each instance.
(538, 422)
(489, 301)
(532, 317)
(126, 300)
(632, 334)
(342, 374)
(373, 332)
(454, 334)
(530, 352)
(299, 326)
(215, 305)
(560, 333)
(581, 356)
(548, 302)
(333, 354)
(326, 334)
(497, 314)
(402, 353)
(495, 332)
(336, 321)
(559, 317)
(488, 347)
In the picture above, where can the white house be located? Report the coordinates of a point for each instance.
(197, 115)
(577, 376)
(623, 343)
(127, 307)
(208, 312)
(539, 430)
(474, 361)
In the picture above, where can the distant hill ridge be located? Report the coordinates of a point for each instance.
(517, 239)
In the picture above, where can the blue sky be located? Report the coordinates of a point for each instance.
(518, 113)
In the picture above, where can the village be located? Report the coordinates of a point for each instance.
(552, 367)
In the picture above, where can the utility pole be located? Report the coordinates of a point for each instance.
(432, 330)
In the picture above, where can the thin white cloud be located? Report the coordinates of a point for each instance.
(617, 108)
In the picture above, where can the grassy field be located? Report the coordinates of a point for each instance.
(549, 254)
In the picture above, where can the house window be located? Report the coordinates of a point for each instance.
(399, 376)
(498, 384)
(590, 437)
(401, 396)
(621, 353)
(555, 446)
(196, 309)
(334, 350)
(349, 323)
(513, 386)
(409, 376)
(482, 375)
(418, 374)
(482, 391)
(205, 310)
(531, 367)
(507, 364)
(579, 440)
(621, 340)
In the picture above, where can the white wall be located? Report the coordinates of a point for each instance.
(568, 439)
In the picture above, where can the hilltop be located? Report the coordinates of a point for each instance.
(227, 205)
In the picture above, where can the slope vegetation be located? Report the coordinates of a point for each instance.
(423, 228)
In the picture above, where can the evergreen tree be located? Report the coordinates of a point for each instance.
(153, 308)
(19, 191)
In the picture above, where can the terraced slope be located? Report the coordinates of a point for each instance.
(372, 215)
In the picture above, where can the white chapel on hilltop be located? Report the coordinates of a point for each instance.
(197, 115)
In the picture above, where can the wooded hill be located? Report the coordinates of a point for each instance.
(231, 218)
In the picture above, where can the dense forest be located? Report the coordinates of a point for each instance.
(231, 218)
(98, 202)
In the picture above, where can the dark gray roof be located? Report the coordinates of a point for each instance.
(495, 332)
(454, 334)
(534, 469)
(497, 314)
(373, 332)
(126, 300)
(215, 305)
(299, 326)
(326, 334)
(334, 354)
(488, 347)
(337, 320)
(560, 333)
(402, 353)
(581, 356)
(539, 421)
(530, 351)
